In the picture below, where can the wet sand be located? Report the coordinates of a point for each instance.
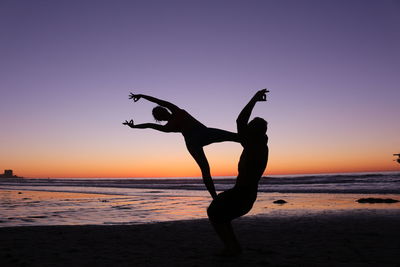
(328, 238)
(42, 208)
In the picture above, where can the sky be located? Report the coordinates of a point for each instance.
(67, 68)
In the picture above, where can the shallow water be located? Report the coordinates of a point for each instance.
(132, 201)
(27, 207)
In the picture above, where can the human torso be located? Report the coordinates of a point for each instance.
(181, 121)
(252, 164)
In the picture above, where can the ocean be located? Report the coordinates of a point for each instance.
(82, 201)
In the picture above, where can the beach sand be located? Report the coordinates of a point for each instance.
(334, 238)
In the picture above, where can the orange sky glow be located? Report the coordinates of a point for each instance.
(67, 69)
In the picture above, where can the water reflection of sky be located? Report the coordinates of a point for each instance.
(24, 207)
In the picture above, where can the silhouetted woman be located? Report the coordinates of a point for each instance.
(196, 134)
(239, 200)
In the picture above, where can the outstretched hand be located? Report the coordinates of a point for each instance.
(134, 97)
(261, 95)
(130, 123)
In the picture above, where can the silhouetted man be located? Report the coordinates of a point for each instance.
(239, 200)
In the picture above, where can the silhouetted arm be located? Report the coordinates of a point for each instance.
(160, 102)
(244, 116)
(158, 127)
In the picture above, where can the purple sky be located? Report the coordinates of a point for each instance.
(67, 67)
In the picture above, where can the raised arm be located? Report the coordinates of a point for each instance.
(160, 102)
(244, 115)
(158, 127)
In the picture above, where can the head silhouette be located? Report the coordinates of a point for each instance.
(258, 127)
(161, 114)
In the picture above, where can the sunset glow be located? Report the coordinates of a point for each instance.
(67, 69)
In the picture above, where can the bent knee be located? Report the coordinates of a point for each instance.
(217, 213)
(213, 212)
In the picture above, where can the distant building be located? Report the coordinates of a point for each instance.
(8, 174)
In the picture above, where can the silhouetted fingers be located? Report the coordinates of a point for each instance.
(134, 97)
(261, 95)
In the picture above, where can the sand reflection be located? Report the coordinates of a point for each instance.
(27, 207)
(298, 203)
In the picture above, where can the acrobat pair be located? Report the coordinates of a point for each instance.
(238, 200)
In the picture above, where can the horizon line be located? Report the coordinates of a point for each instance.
(199, 177)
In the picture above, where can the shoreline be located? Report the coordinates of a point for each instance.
(345, 238)
(21, 208)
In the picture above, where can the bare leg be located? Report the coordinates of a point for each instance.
(217, 135)
(226, 234)
(201, 159)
